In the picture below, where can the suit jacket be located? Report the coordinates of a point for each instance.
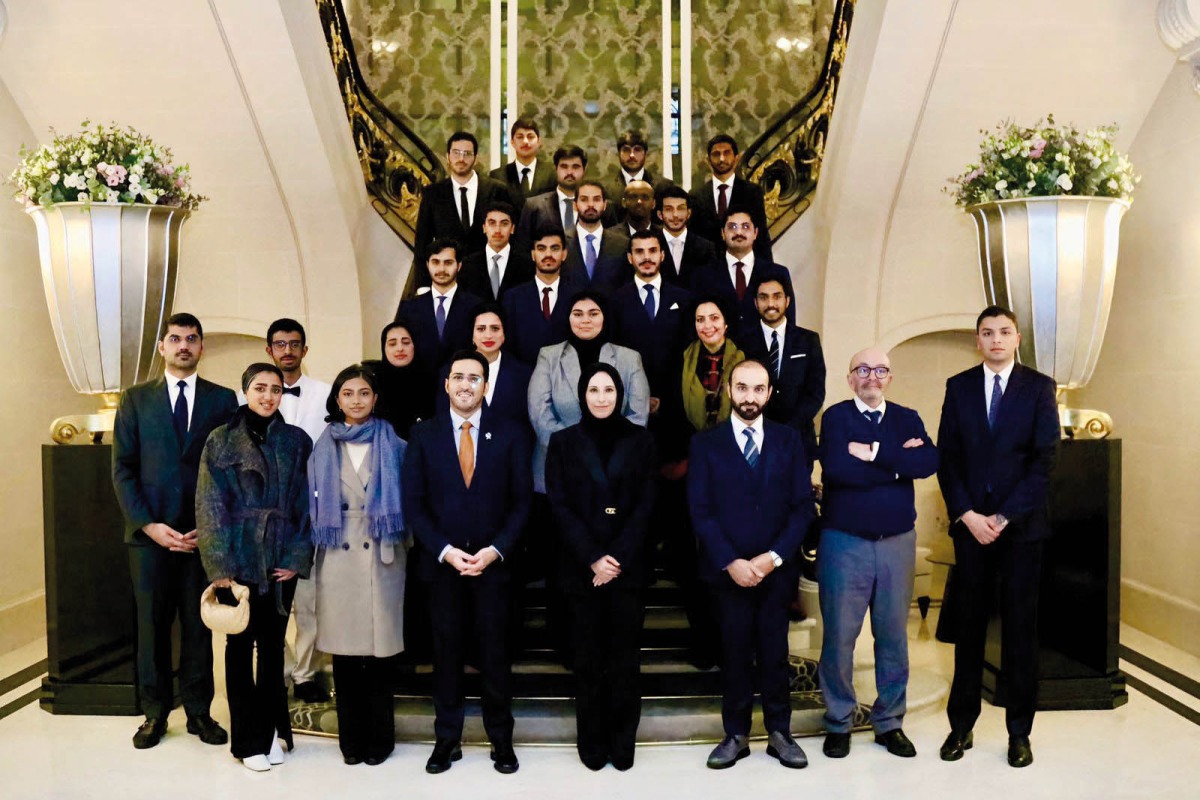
(528, 331)
(1005, 469)
(545, 179)
(706, 222)
(741, 512)
(612, 260)
(800, 386)
(615, 187)
(554, 394)
(476, 277)
(601, 508)
(539, 212)
(440, 215)
(153, 475)
(714, 280)
(441, 510)
(698, 252)
(419, 311)
(509, 397)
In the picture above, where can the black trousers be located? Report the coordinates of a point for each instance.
(754, 631)
(258, 708)
(365, 708)
(680, 563)
(540, 549)
(471, 609)
(606, 622)
(1017, 565)
(167, 584)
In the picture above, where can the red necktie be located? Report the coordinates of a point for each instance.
(739, 281)
(546, 302)
(722, 202)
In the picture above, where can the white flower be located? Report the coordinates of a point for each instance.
(54, 178)
(89, 173)
(1064, 182)
(1112, 184)
(102, 167)
(113, 196)
(84, 197)
(1030, 184)
(1001, 185)
(151, 197)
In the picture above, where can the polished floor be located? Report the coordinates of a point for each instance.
(1140, 750)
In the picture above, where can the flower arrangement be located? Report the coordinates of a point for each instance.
(102, 164)
(1045, 160)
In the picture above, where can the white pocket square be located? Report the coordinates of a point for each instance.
(799, 355)
(674, 307)
(422, 290)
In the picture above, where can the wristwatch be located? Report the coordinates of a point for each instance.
(775, 558)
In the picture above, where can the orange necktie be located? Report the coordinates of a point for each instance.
(466, 454)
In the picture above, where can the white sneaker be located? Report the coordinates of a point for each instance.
(275, 757)
(257, 763)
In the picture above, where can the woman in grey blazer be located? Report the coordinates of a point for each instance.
(358, 528)
(554, 387)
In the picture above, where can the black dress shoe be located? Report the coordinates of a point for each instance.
(1020, 753)
(594, 761)
(445, 752)
(207, 729)
(351, 761)
(310, 692)
(374, 761)
(150, 733)
(504, 758)
(623, 763)
(837, 745)
(897, 743)
(957, 743)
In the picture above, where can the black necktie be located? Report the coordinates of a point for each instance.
(295, 390)
(525, 179)
(180, 414)
(466, 210)
(873, 416)
(773, 353)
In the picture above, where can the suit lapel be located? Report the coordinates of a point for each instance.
(1017, 384)
(161, 408)
(199, 413)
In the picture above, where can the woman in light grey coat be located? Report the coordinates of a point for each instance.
(354, 482)
(554, 387)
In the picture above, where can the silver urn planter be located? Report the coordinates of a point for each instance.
(109, 275)
(1053, 261)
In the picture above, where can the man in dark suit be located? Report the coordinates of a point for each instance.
(725, 190)
(500, 266)
(555, 209)
(467, 488)
(440, 319)
(596, 256)
(453, 208)
(158, 435)
(793, 354)
(871, 451)
(731, 274)
(751, 503)
(999, 439)
(687, 253)
(526, 175)
(637, 205)
(632, 149)
(538, 310)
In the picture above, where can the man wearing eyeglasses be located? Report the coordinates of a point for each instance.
(454, 207)
(302, 405)
(632, 149)
(871, 452)
(733, 272)
(467, 489)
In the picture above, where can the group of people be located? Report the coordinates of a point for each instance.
(586, 404)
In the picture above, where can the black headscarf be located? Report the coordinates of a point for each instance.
(589, 350)
(405, 393)
(604, 433)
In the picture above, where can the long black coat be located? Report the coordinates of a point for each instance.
(601, 509)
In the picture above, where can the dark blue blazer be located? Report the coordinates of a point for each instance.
(527, 331)
(800, 386)
(419, 311)
(714, 280)
(873, 499)
(659, 341)
(153, 476)
(739, 512)
(1005, 470)
(612, 260)
(706, 222)
(510, 398)
(439, 508)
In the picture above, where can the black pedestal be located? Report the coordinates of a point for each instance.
(90, 624)
(1079, 610)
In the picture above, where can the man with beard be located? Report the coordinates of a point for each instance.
(730, 275)
(158, 435)
(526, 175)
(632, 149)
(687, 252)
(500, 267)
(440, 319)
(714, 201)
(538, 310)
(453, 208)
(467, 487)
(596, 255)
(871, 452)
(751, 503)
(555, 209)
(637, 203)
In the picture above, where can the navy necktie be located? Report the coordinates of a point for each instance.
(773, 353)
(180, 414)
(650, 300)
(994, 406)
(589, 255)
(750, 451)
(439, 316)
(873, 416)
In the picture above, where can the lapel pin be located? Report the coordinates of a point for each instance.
(488, 436)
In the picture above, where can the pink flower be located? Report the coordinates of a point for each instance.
(1037, 147)
(115, 175)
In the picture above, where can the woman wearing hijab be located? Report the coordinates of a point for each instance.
(707, 364)
(252, 528)
(406, 386)
(600, 484)
(358, 528)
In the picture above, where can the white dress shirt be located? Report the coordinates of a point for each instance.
(434, 294)
(308, 410)
(781, 330)
(657, 284)
(757, 432)
(863, 408)
(747, 266)
(472, 187)
(563, 198)
(989, 381)
(552, 286)
(639, 176)
(717, 192)
(189, 392)
(532, 167)
(675, 246)
(456, 421)
(493, 375)
(489, 256)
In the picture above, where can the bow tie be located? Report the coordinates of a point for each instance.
(292, 390)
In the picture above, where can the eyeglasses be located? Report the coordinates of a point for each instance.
(733, 227)
(463, 153)
(865, 371)
(287, 346)
(462, 377)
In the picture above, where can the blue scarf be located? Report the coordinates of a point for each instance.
(385, 518)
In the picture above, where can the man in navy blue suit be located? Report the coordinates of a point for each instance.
(733, 273)
(537, 311)
(467, 487)
(871, 451)
(751, 502)
(440, 318)
(687, 252)
(595, 253)
(999, 440)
